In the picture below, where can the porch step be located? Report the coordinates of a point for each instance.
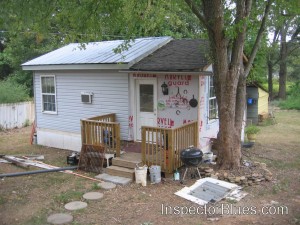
(120, 171)
(114, 179)
(127, 163)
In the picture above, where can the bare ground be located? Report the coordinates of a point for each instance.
(29, 200)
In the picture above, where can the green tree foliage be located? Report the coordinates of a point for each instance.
(32, 28)
(12, 92)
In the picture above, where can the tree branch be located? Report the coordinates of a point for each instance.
(196, 11)
(258, 38)
(289, 52)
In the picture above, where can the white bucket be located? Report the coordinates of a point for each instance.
(155, 176)
(141, 175)
(207, 157)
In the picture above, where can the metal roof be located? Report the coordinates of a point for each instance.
(97, 53)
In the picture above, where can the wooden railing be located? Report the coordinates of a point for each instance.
(102, 130)
(162, 146)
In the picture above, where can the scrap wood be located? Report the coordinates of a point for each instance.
(43, 165)
(16, 161)
(4, 161)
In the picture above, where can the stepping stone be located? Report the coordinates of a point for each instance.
(75, 205)
(93, 195)
(107, 185)
(60, 218)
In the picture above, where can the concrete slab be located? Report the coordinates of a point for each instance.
(93, 196)
(75, 205)
(60, 218)
(114, 179)
(107, 185)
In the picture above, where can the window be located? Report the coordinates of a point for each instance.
(48, 94)
(212, 108)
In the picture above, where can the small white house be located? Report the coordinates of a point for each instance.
(157, 81)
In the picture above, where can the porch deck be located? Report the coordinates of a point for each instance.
(159, 146)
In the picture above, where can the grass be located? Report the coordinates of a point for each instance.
(38, 219)
(95, 186)
(292, 102)
(281, 186)
(293, 98)
(2, 200)
(68, 196)
(267, 122)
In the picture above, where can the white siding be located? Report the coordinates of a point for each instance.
(110, 95)
(207, 128)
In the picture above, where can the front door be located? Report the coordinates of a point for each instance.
(146, 102)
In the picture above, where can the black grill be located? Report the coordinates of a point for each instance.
(191, 156)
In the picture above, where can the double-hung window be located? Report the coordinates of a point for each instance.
(48, 94)
(212, 106)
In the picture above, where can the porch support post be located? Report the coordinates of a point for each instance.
(144, 145)
(171, 151)
(118, 144)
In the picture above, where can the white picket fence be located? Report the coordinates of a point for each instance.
(14, 115)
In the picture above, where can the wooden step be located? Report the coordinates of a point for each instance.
(121, 162)
(120, 171)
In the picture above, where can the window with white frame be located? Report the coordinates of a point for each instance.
(212, 106)
(48, 94)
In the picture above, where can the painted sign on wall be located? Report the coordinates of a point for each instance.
(178, 105)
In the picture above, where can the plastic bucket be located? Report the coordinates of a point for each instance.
(155, 176)
(207, 157)
(141, 175)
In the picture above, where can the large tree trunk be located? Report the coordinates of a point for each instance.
(229, 72)
(270, 79)
(283, 64)
(228, 69)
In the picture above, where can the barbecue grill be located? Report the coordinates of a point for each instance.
(191, 158)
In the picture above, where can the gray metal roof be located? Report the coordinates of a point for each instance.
(98, 53)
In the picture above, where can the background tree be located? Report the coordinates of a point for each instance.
(284, 26)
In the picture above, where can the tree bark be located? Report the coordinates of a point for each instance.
(229, 72)
(270, 80)
(283, 64)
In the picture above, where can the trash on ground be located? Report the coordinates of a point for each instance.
(210, 190)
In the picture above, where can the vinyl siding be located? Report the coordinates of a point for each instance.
(263, 103)
(110, 95)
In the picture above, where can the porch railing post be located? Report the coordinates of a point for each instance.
(144, 145)
(171, 149)
(83, 139)
(118, 141)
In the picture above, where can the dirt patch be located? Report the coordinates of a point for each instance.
(30, 199)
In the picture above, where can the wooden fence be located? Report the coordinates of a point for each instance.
(162, 146)
(14, 115)
(102, 130)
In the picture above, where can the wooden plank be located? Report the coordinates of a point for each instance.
(15, 161)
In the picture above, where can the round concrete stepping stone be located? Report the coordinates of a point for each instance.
(93, 195)
(60, 218)
(107, 185)
(75, 205)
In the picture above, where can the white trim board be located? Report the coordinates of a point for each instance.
(59, 139)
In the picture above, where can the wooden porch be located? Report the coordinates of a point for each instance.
(159, 146)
